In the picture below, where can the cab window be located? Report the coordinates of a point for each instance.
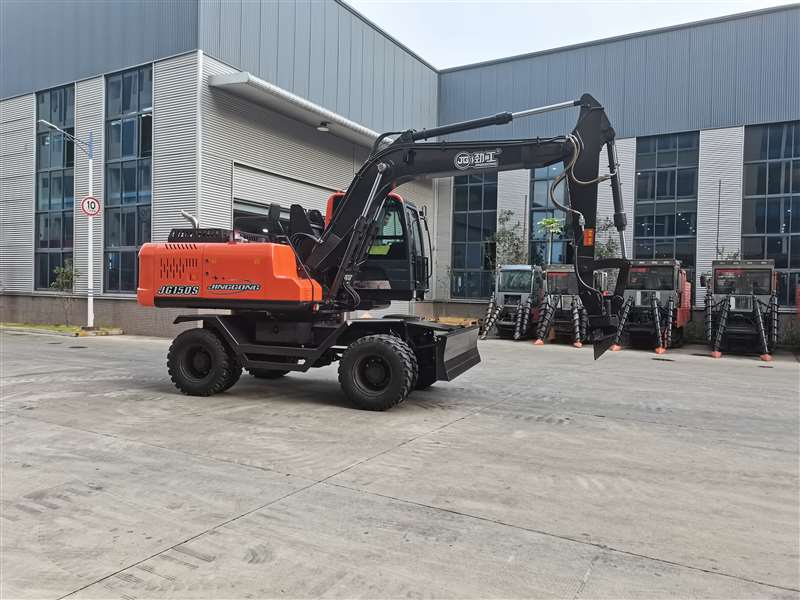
(390, 241)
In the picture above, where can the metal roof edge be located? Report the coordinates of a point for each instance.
(624, 36)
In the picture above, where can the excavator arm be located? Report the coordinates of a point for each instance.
(337, 255)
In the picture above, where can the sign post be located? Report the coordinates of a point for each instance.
(90, 206)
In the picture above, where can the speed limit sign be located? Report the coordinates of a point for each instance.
(90, 206)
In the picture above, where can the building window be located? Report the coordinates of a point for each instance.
(543, 208)
(129, 144)
(771, 201)
(665, 223)
(55, 158)
(474, 227)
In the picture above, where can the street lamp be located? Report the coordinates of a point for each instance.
(88, 150)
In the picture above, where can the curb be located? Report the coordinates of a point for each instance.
(114, 331)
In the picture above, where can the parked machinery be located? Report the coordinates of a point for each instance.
(561, 310)
(658, 304)
(741, 307)
(514, 307)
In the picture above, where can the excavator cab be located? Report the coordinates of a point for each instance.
(397, 266)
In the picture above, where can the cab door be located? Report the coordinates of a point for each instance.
(420, 262)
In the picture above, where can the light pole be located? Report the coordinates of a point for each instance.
(88, 149)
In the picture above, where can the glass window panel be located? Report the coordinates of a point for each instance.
(645, 160)
(536, 218)
(56, 150)
(69, 152)
(460, 198)
(146, 87)
(144, 181)
(113, 95)
(113, 185)
(473, 256)
(754, 215)
(43, 151)
(489, 224)
(558, 254)
(41, 270)
(490, 197)
(794, 260)
(667, 151)
(112, 271)
(460, 227)
(128, 231)
(130, 91)
(688, 157)
(55, 261)
(752, 248)
(472, 284)
(112, 227)
(128, 272)
(665, 249)
(538, 253)
(68, 230)
(69, 104)
(797, 139)
(474, 227)
(643, 226)
(665, 185)
(685, 252)
(55, 230)
(643, 248)
(780, 141)
(786, 214)
(114, 140)
(57, 112)
(664, 225)
(487, 284)
(459, 256)
(56, 191)
(687, 183)
(146, 135)
(460, 180)
(793, 278)
(795, 224)
(774, 215)
(43, 106)
(778, 250)
(539, 195)
(779, 177)
(129, 182)
(689, 139)
(645, 209)
(476, 178)
(646, 185)
(69, 190)
(795, 185)
(755, 143)
(488, 256)
(457, 284)
(755, 179)
(43, 192)
(686, 222)
(43, 231)
(558, 193)
(129, 147)
(475, 197)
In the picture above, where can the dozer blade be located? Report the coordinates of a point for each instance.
(602, 344)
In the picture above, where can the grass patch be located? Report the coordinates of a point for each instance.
(74, 329)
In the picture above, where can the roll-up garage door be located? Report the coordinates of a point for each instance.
(255, 188)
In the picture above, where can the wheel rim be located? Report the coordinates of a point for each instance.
(373, 373)
(197, 364)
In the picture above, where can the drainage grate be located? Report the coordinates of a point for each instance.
(699, 354)
(664, 359)
(765, 367)
(77, 346)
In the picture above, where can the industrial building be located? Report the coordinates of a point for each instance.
(221, 107)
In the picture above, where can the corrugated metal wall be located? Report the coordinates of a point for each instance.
(46, 43)
(442, 238)
(323, 52)
(262, 187)
(89, 116)
(17, 182)
(175, 96)
(735, 72)
(719, 184)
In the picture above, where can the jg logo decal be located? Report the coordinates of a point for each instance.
(484, 159)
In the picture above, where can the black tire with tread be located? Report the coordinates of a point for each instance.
(223, 370)
(399, 358)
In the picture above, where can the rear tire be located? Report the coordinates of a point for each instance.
(200, 364)
(377, 372)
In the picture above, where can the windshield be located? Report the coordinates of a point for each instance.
(562, 283)
(390, 241)
(742, 281)
(651, 278)
(515, 281)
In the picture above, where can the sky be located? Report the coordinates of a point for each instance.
(449, 33)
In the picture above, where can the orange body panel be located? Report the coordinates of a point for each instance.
(685, 304)
(228, 271)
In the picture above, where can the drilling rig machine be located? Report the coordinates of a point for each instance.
(289, 291)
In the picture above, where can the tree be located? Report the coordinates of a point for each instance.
(64, 283)
(511, 247)
(609, 247)
(552, 227)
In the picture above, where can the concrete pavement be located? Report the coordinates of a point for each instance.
(539, 473)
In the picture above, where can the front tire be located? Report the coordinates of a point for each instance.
(377, 372)
(200, 364)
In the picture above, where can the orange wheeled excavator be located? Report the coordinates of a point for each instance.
(291, 286)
